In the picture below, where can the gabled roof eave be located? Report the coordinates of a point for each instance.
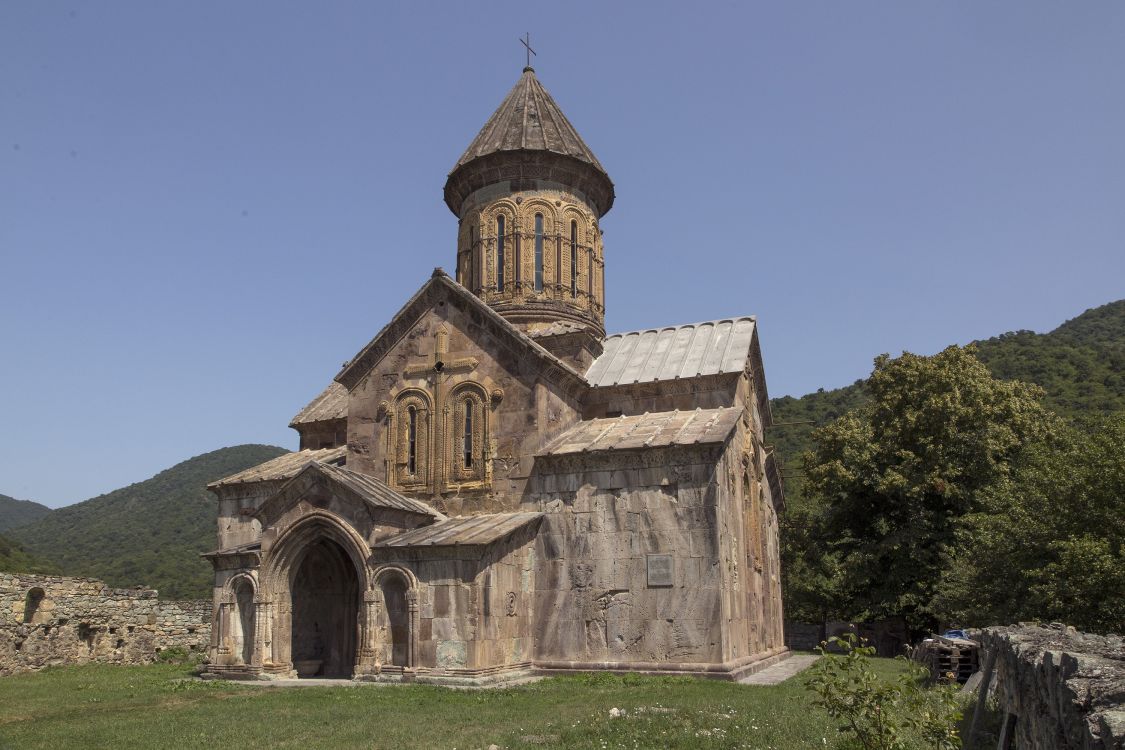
(398, 327)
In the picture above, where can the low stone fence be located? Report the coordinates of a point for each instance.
(1059, 689)
(46, 620)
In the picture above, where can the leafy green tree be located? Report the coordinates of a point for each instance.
(811, 575)
(897, 474)
(1048, 542)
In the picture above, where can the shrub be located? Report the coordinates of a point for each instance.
(880, 714)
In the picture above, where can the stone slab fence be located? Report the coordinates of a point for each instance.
(1059, 689)
(48, 620)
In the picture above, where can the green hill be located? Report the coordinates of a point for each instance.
(147, 534)
(1080, 364)
(19, 512)
(15, 559)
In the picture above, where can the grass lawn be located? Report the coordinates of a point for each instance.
(154, 707)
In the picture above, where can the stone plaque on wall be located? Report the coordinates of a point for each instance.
(659, 570)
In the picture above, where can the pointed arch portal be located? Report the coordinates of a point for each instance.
(325, 594)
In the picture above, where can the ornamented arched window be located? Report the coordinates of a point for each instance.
(412, 444)
(412, 440)
(538, 252)
(467, 435)
(500, 260)
(573, 258)
(469, 454)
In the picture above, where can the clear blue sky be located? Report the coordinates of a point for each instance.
(206, 207)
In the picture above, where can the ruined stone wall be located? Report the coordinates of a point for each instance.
(47, 620)
(628, 561)
(1065, 689)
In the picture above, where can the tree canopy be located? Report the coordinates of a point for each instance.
(897, 474)
(1046, 542)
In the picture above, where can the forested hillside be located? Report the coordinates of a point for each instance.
(14, 558)
(19, 512)
(147, 534)
(1080, 364)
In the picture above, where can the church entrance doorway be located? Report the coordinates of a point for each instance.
(325, 592)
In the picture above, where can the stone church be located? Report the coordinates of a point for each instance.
(493, 487)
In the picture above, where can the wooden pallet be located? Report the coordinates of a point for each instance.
(948, 659)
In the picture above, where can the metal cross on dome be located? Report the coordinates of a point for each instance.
(527, 43)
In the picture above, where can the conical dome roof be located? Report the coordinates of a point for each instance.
(529, 127)
(528, 119)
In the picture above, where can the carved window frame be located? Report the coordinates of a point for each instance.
(479, 471)
(573, 268)
(501, 276)
(420, 401)
(527, 232)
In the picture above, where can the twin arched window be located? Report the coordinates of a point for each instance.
(462, 442)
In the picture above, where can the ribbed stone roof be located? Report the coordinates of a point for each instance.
(648, 430)
(686, 351)
(466, 531)
(331, 403)
(529, 120)
(285, 466)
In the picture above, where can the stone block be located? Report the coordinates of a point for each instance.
(444, 628)
(451, 654)
(442, 605)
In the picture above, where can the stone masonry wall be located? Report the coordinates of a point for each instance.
(1065, 689)
(595, 601)
(48, 620)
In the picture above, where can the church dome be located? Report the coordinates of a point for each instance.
(529, 138)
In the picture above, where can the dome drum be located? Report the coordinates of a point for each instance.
(525, 170)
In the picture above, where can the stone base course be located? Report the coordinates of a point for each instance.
(50, 620)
